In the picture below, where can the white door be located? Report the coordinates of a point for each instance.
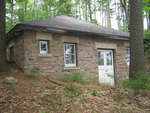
(106, 67)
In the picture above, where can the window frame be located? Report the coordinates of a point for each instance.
(75, 55)
(47, 46)
(128, 53)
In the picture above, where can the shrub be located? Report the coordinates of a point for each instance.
(141, 81)
(76, 77)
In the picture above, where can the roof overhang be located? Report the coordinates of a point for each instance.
(19, 28)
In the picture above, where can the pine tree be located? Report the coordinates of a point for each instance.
(3, 63)
(136, 38)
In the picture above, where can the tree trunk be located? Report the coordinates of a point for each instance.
(118, 17)
(125, 7)
(90, 10)
(149, 21)
(108, 14)
(86, 10)
(3, 63)
(136, 38)
(12, 12)
(35, 8)
(95, 9)
(25, 7)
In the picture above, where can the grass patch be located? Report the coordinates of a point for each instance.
(83, 99)
(41, 103)
(52, 101)
(141, 81)
(72, 91)
(76, 77)
(94, 92)
(101, 103)
(126, 111)
(119, 97)
(50, 87)
(144, 106)
(115, 108)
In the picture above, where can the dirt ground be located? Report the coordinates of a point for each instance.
(37, 94)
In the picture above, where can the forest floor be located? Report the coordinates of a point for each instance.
(37, 94)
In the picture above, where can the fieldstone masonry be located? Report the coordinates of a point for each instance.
(52, 64)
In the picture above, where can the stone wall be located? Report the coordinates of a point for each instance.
(119, 48)
(52, 64)
(18, 45)
(121, 67)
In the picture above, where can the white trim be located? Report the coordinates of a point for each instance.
(70, 65)
(103, 70)
(40, 50)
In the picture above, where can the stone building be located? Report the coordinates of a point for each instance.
(63, 45)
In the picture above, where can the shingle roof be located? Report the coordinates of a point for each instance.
(70, 24)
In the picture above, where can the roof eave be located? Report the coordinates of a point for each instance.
(21, 27)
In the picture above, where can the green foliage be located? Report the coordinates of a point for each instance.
(76, 77)
(147, 34)
(94, 21)
(41, 103)
(72, 91)
(83, 99)
(141, 81)
(126, 111)
(116, 108)
(119, 97)
(94, 92)
(29, 10)
(50, 87)
(144, 106)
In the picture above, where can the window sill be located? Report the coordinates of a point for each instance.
(71, 68)
(44, 55)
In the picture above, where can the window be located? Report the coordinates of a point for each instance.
(101, 58)
(69, 55)
(128, 56)
(109, 58)
(43, 46)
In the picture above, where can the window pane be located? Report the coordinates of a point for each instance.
(70, 55)
(43, 47)
(67, 58)
(109, 58)
(67, 49)
(72, 49)
(100, 58)
(73, 59)
(128, 56)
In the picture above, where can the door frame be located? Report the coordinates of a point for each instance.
(113, 50)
